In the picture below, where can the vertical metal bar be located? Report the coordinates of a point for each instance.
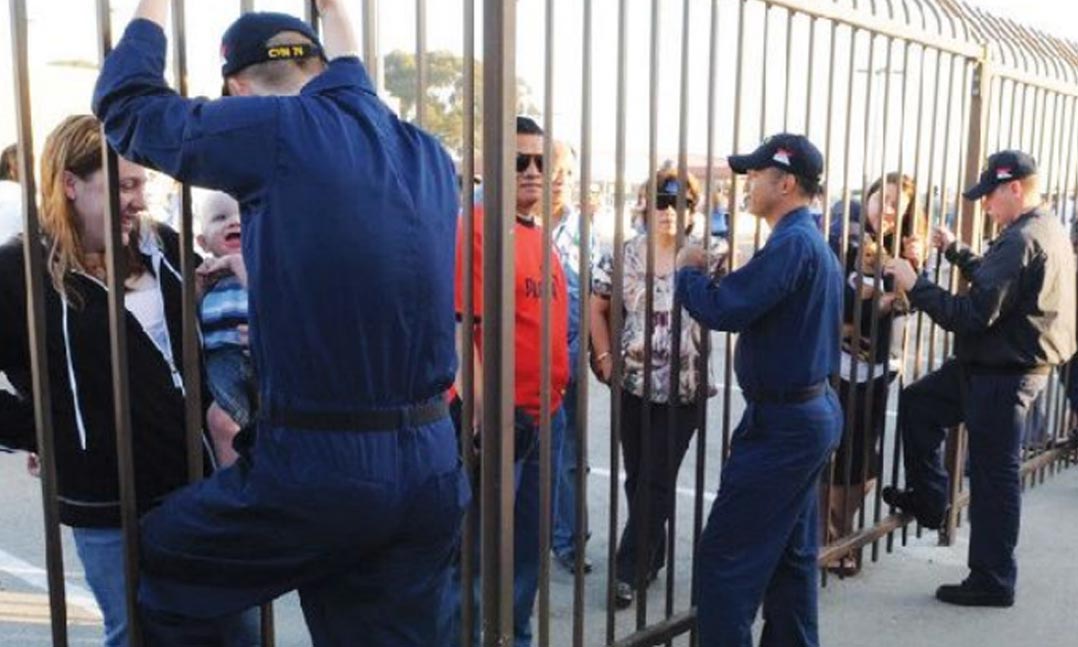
(36, 323)
(545, 343)
(704, 373)
(117, 272)
(192, 351)
(467, 354)
(497, 497)
(421, 62)
(734, 210)
(758, 226)
(584, 272)
(247, 6)
(789, 76)
(310, 13)
(811, 67)
(370, 41)
(676, 416)
(643, 494)
(616, 315)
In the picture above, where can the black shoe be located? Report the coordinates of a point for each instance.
(967, 595)
(623, 595)
(568, 563)
(906, 501)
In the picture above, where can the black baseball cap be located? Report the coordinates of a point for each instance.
(1002, 167)
(794, 154)
(244, 42)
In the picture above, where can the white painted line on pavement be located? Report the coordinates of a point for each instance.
(683, 491)
(38, 578)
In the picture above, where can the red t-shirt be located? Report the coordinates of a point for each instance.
(529, 311)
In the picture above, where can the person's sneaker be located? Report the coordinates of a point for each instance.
(568, 563)
(623, 595)
(967, 595)
(906, 501)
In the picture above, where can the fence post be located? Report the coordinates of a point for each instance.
(979, 90)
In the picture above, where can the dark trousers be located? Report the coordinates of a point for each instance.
(650, 479)
(761, 539)
(526, 557)
(365, 525)
(995, 409)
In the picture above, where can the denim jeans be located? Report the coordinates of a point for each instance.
(565, 526)
(101, 551)
(231, 379)
(525, 530)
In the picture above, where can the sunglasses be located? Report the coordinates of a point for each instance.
(664, 201)
(524, 161)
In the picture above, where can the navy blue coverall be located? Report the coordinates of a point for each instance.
(349, 219)
(1014, 324)
(761, 539)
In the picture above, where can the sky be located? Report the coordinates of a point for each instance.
(62, 31)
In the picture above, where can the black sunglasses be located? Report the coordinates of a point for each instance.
(524, 160)
(664, 201)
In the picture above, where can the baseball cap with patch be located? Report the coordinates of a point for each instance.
(244, 42)
(1002, 167)
(794, 154)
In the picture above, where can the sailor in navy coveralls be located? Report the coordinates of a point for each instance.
(761, 539)
(1016, 323)
(352, 493)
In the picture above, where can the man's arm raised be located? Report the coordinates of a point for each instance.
(155, 10)
(338, 37)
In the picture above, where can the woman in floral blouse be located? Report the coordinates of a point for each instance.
(650, 481)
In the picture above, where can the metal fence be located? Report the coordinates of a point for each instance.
(943, 85)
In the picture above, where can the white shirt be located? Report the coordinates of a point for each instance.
(10, 209)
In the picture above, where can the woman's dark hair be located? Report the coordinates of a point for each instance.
(912, 222)
(9, 169)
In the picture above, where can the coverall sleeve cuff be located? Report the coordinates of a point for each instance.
(920, 288)
(146, 33)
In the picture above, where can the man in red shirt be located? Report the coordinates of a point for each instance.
(528, 282)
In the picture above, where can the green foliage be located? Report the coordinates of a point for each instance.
(444, 104)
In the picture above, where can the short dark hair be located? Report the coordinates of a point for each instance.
(811, 188)
(528, 126)
(9, 169)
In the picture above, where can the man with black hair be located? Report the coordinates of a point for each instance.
(527, 338)
(761, 539)
(352, 493)
(1016, 323)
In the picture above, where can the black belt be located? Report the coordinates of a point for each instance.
(371, 420)
(786, 396)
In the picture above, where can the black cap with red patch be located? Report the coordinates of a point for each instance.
(794, 154)
(1002, 167)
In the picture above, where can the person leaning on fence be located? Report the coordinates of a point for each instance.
(650, 478)
(352, 492)
(876, 355)
(565, 234)
(223, 314)
(1015, 323)
(761, 538)
(77, 320)
(527, 401)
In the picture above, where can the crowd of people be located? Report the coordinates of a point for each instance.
(331, 305)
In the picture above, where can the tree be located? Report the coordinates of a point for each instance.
(444, 116)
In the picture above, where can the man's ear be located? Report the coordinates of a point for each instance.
(238, 86)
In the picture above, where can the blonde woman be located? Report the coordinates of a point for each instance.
(76, 325)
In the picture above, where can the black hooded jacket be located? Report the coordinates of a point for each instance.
(80, 381)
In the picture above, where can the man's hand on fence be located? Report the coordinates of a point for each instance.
(692, 256)
(904, 274)
(942, 238)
